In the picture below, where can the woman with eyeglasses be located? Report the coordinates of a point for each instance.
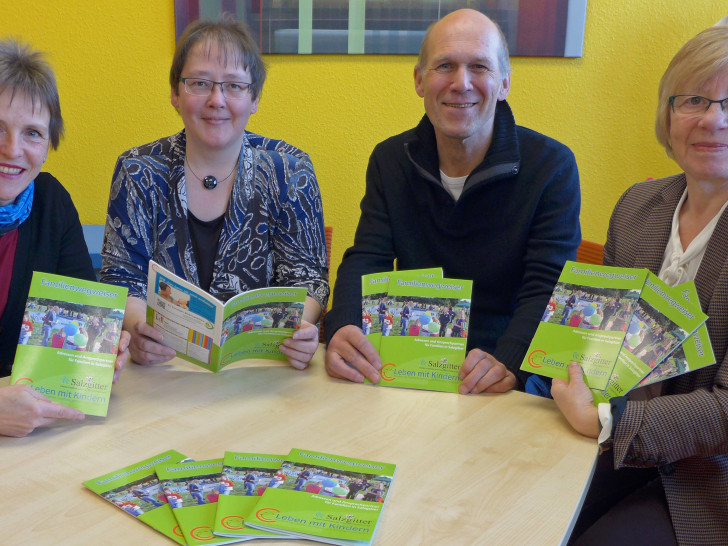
(225, 209)
(663, 478)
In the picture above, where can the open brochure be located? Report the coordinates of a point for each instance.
(245, 476)
(69, 339)
(213, 334)
(663, 319)
(585, 321)
(327, 498)
(192, 490)
(136, 490)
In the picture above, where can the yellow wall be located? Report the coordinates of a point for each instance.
(112, 59)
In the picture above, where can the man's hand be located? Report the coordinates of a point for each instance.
(576, 402)
(22, 410)
(145, 347)
(350, 355)
(481, 372)
(301, 346)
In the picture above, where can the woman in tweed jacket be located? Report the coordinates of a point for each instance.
(678, 228)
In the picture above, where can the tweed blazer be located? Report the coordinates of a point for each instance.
(684, 432)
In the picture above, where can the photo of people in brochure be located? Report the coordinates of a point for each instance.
(415, 316)
(330, 482)
(138, 497)
(272, 315)
(192, 491)
(591, 308)
(71, 326)
(173, 294)
(248, 481)
(651, 335)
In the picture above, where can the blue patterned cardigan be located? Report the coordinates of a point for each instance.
(272, 235)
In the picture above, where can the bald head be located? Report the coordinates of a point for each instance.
(466, 19)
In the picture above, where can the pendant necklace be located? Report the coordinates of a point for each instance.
(209, 182)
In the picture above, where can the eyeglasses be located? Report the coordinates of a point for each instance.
(201, 87)
(693, 105)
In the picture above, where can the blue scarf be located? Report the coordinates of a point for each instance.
(14, 214)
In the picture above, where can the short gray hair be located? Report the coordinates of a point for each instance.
(25, 70)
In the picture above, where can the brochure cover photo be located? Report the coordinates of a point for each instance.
(325, 497)
(69, 339)
(585, 321)
(192, 490)
(379, 312)
(213, 334)
(428, 347)
(245, 476)
(136, 490)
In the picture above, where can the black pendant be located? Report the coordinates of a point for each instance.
(210, 182)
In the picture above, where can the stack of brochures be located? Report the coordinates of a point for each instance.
(624, 326)
(245, 496)
(418, 321)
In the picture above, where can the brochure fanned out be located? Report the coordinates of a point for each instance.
(136, 490)
(662, 320)
(213, 334)
(622, 325)
(585, 322)
(69, 339)
(245, 476)
(325, 497)
(192, 491)
(694, 353)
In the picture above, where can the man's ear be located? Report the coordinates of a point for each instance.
(505, 88)
(419, 87)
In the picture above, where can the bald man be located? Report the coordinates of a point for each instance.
(470, 191)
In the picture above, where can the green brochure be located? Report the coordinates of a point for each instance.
(327, 498)
(426, 350)
(585, 321)
(245, 476)
(663, 319)
(695, 352)
(212, 334)
(68, 341)
(192, 490)
(136, 490)
(377, 312)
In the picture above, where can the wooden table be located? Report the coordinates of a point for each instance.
(485, 469)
